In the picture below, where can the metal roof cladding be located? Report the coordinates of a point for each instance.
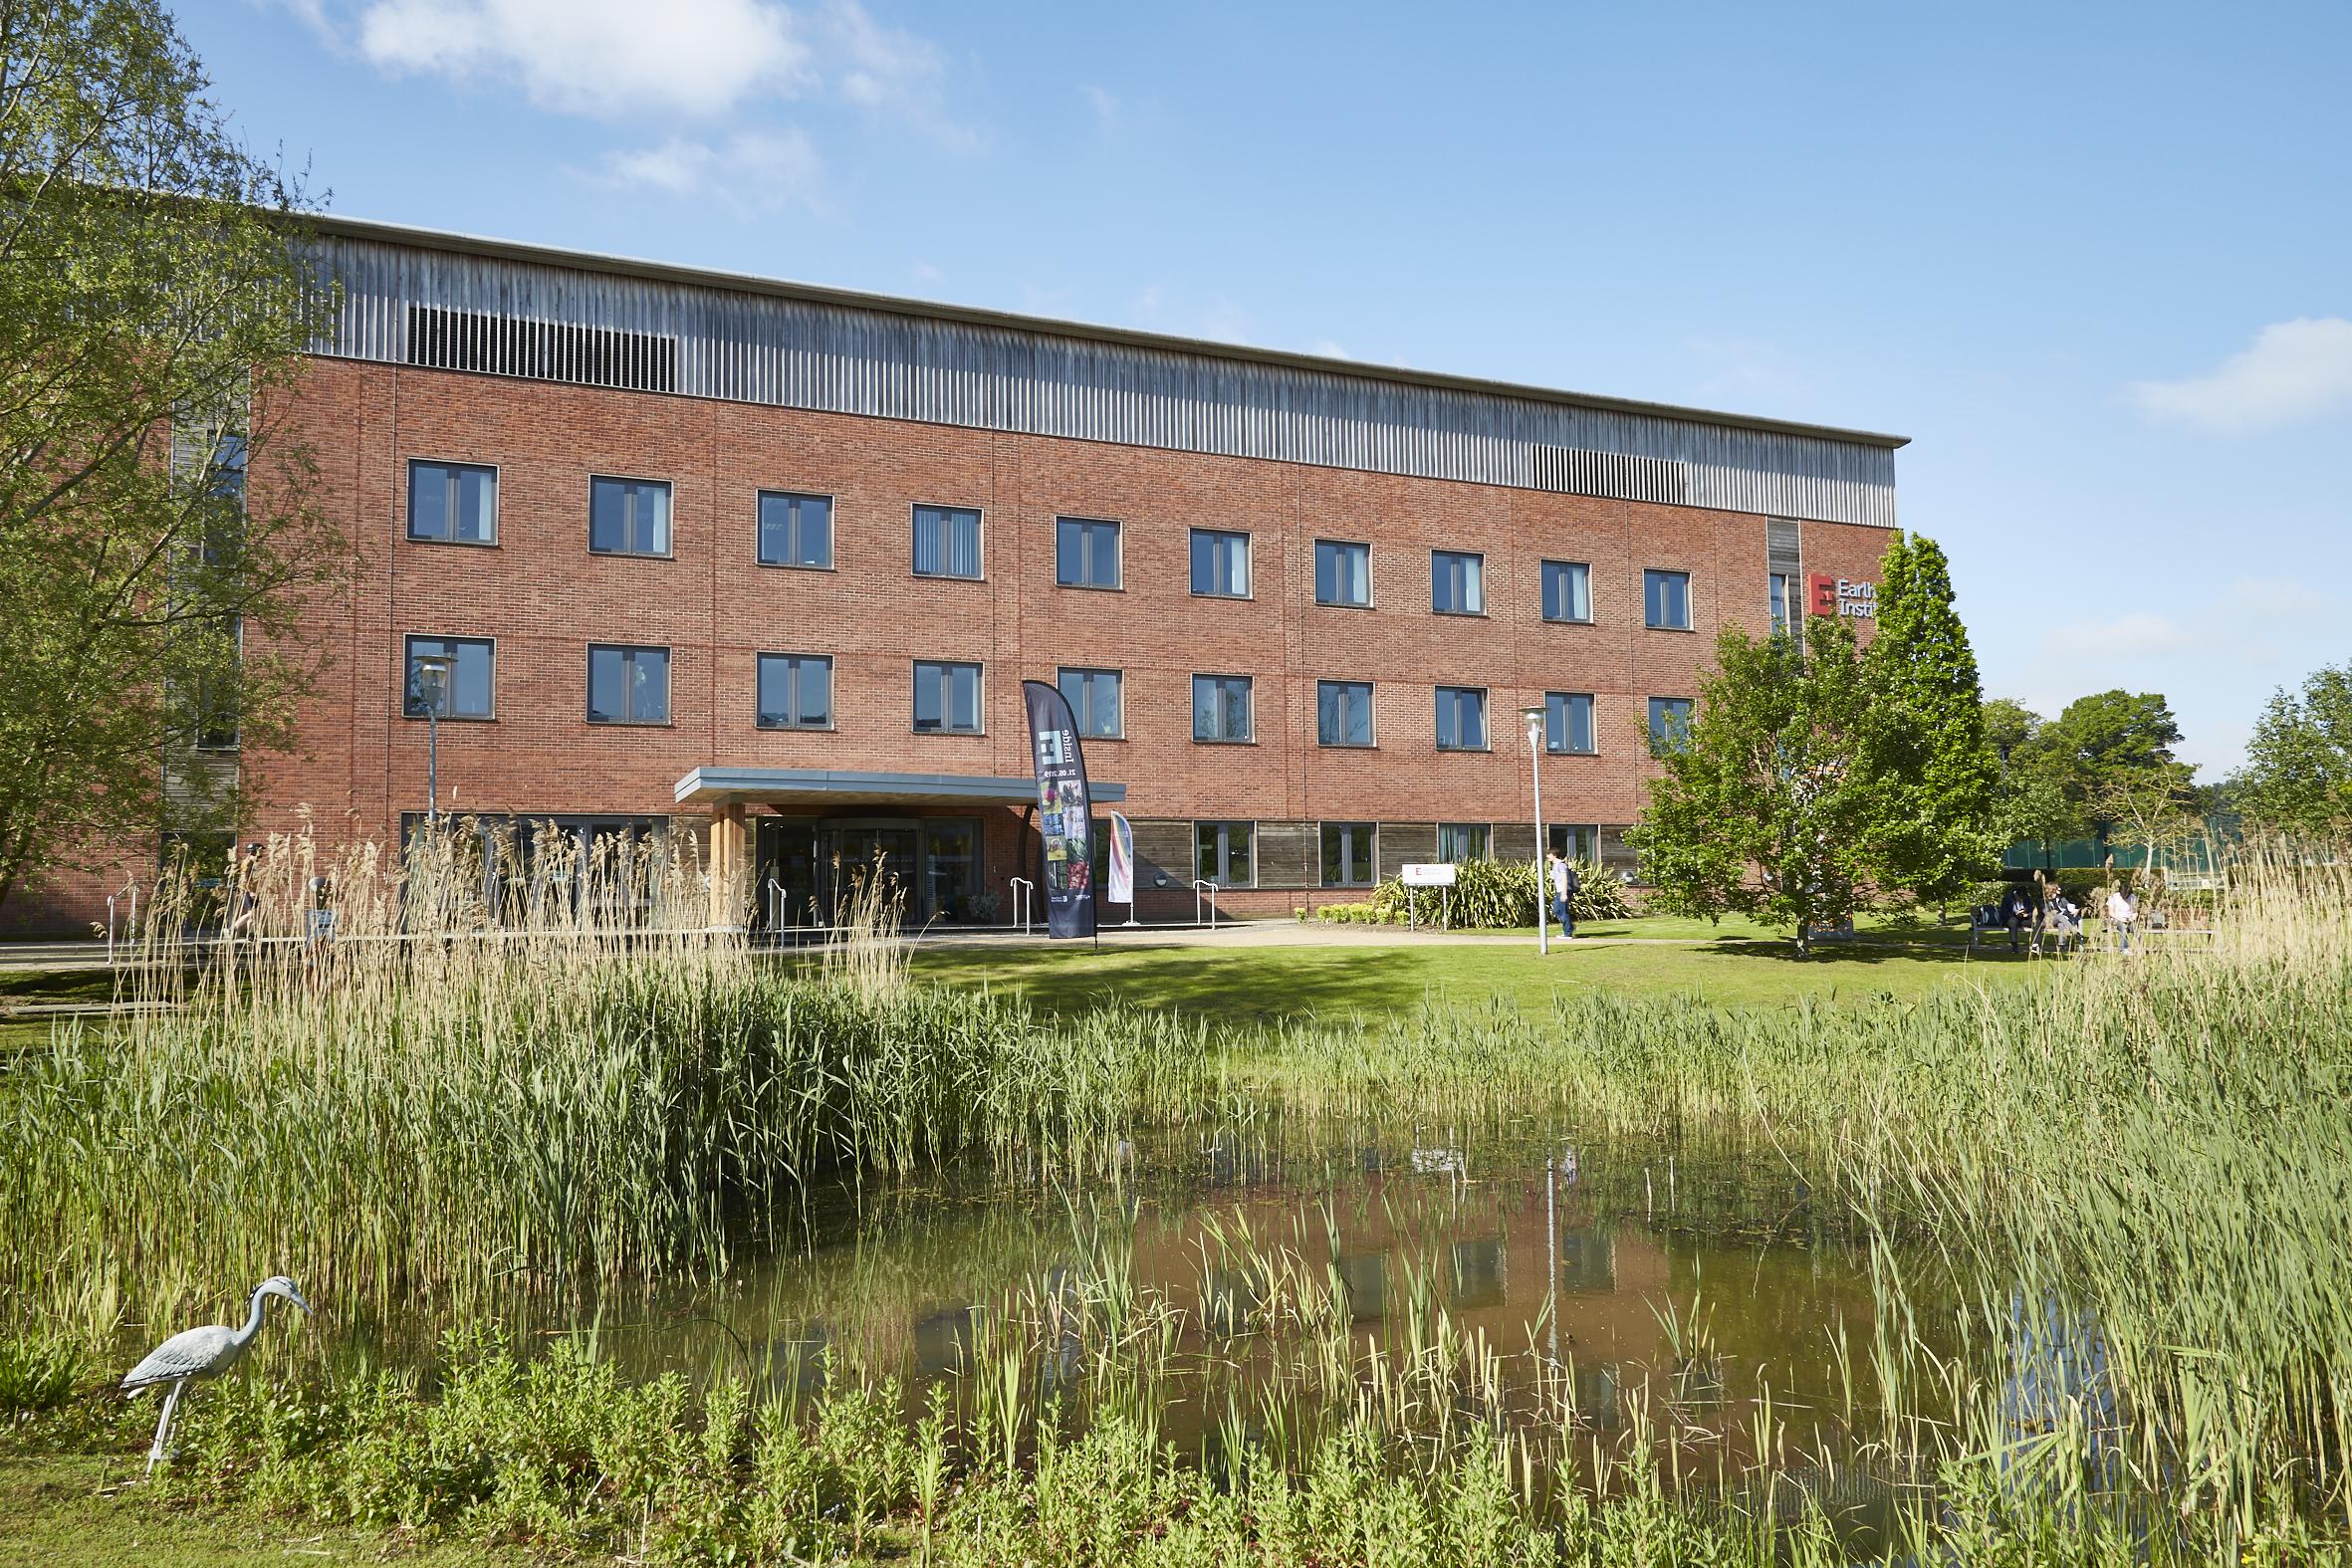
(423, 297)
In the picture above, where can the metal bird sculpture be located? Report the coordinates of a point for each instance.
(200, 1353)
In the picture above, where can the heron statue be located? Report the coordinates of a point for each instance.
(200, 1353)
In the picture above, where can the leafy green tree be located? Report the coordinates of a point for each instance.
(1768, 804)
(1927, 738)
(2030, 802)
(156, 540)
(2111, 755)
(2298, 764)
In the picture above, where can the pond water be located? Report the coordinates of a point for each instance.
(1700, 1302)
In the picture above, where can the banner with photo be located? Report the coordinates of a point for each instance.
(1064, 810)
(1122, 863)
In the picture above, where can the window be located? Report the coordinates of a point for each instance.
(1670, 721)
(1459, 841)
(1220, 564)
(630, 517)
(1342, 572)
(796, 691)
(795, 530)
(1567, 591)
(1666, 601)
(1461, 718)
(947, 541)
(467, 689)
(1094, 701)
(629, 685)
(1567, 722)
(1579, 841)
(456, 503)
(947, 698)
(1348, 854)
(1457, 583)
(1783, 595)
(1086, 554)
(1221, 708)
(1343, 712)
(1222, 852)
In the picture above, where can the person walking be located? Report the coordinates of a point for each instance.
(1563, 892)
(2122, 915)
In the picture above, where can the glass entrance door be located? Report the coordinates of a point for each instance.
(850, 854)
(786, 855)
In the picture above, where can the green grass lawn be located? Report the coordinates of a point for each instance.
(1256, 984)
(66, 1511)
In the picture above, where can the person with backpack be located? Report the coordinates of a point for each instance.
(1564, 893)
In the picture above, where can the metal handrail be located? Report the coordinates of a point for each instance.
(775, 906)
(1023, 887)
(1199, 888)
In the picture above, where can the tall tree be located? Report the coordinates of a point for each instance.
(2029, 803)
(2112, 756)
(2298, 764)
(1768, 804)
(1927, 735)
(156, 540)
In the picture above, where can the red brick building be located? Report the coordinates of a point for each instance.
(703, 547)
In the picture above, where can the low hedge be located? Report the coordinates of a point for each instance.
(1488, 894)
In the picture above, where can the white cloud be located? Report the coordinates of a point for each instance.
(1329, 349)
(890, 71)
(1104, 106)
(2298, 369)
(751, 172)
(612, 58)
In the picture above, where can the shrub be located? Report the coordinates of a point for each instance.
(37, 1373)
(1487, 895)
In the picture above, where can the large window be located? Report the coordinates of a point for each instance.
(1670, 721)
(1220, 564)
(1567, 722)
(1086, 554)
(1579, 841)
(795, 530)
(467, 687)
(1567, 591)
(947, 541)
(1342, 572)
(1095, 702)
(947, 697)
(1343, 712)
(1222, 852)
(796, 691)
(1461, 718)
(630, 517)
(1458, 841)
(1349, 859)
(1457, 583)
(1666, 601)
(1781, 589)
(1221, 708)
(456, 503)
(629, 685)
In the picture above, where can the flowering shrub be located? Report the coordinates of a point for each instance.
(1488, 894)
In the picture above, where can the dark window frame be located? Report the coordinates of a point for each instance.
(1436, 557)
(1248, 685)
(1485, 742)
(1370, 600)
(832, 505)
(1567, 707)
(408, 640)
(1248, 562)
(1371, 741)
(831, 711)
(1119, 731)
(1347, 831)
(630, 649)
(1689, 619)
(1543, 587)
(1224, 825)
(914, 523)
(1660, 744)
(669, 522)
(979, 669)
(1118, 552)
(451, 466)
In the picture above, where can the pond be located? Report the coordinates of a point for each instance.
(1614, 1296)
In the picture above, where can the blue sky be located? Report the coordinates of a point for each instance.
(2096, 260)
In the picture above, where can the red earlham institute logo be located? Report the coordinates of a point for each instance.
(1829, 595)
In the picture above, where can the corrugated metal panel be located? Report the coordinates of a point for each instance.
(802, 353)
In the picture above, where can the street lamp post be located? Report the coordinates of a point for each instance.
(432, 684)
(1534, 722)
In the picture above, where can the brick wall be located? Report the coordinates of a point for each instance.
(544, 598)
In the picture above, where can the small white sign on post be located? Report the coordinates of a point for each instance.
(1437, 874)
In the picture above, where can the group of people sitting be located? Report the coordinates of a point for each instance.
(2058, 920)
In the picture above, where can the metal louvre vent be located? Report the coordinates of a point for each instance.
(1781, 545)
(543, 351)
(1578, 472)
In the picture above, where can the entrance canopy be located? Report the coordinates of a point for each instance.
(830, 786)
